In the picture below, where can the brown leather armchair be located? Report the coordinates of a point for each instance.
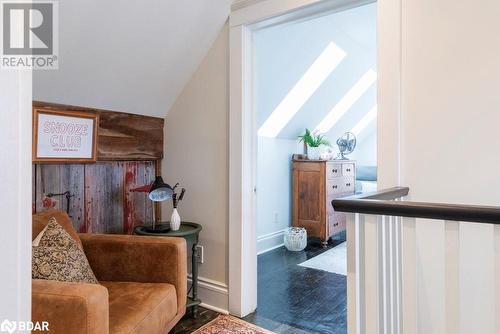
(143, 285)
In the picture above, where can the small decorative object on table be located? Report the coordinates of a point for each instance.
(175, 219)
(295, 239)
(314, 144)
(346, 144)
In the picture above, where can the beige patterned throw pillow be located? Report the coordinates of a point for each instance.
(57, 256)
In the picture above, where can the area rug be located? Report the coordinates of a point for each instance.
(226, 324)
(333, 260)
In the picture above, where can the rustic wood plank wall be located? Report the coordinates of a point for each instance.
(101, 201)
(129, 137)
(121, 136)
(129, 151)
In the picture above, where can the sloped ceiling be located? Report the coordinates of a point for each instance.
(132, 56)
(284, 53)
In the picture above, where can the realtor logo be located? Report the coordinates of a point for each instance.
(29, 34)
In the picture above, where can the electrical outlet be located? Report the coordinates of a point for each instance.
(200, 254)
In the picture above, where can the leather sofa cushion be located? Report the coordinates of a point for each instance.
(40, 220)
(140, 307)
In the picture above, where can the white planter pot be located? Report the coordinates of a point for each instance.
(314, 153)
(175, 220)
(295, 239)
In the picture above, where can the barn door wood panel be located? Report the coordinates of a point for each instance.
(102, 201)
(57, 179)
(114, 208)
(137, 207)
(103, 198)
(125, 136)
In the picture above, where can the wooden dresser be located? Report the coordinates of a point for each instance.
(315, 183)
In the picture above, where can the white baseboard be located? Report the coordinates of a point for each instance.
(213, 308)
(213, 294)
(268, 242)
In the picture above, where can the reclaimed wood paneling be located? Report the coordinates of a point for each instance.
(136, 205)
(102, 201)
(129, 150)
(122, 136)
(57, 179)
(129, 137)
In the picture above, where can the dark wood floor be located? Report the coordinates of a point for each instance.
(188, 324)
(291, 298)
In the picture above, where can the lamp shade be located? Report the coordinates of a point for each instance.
(160, 191)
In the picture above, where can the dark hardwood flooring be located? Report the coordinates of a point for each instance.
(188, 324)
(291, 298)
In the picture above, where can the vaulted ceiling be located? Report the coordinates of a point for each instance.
(133, 56)
(318, 74)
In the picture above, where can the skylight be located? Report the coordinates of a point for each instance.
(322, 67)
(365, 121)
(347, 101)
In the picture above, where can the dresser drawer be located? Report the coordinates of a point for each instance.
(348, 169)
(335, 186)
(336, 223)
(348, 184)
(330, 198)
(333, 170)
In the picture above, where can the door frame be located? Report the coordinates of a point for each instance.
(246, 17)
(16, 116)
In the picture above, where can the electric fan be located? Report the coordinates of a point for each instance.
(346, 144)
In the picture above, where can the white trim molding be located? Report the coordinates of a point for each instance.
(213, 294)
(263, 13)
(389, 92)
(239, 4)
(270, 241)
(15, 135)
(242, 148)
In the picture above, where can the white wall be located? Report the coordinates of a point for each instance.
(196, 156)
(274, 189)
(449, 127)
(365, 153)
(15, 201)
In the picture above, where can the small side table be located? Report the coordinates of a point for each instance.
(190, 232)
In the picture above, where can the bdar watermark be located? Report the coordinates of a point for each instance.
(10, 326)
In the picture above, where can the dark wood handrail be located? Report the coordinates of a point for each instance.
(378, 204)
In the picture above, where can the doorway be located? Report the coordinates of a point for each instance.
(245, 21)
(316, 74)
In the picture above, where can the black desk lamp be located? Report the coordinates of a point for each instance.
(160, 191)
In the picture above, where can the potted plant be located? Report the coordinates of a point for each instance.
(313, 144)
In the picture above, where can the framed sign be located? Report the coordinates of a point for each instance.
(64, 136)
